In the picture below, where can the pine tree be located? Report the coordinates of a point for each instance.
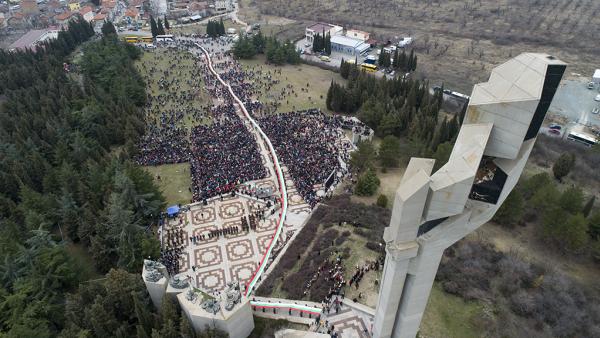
(329, 95)
(221, 30)
(588, 206)
(160, 28)
(328, 44)
(395, 64)
(167, 25)
(108, 29)
(153, 27)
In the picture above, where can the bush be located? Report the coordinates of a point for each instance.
(511, 211)
(377, 247)
(563, 165)
(367, 183)
(382, 201)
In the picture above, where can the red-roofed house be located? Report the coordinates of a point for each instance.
(87, 13)
(132, 13)
(99, 17)
(63, 18)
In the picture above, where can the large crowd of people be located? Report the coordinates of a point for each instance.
(307, 143)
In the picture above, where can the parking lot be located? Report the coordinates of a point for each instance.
(575, 102)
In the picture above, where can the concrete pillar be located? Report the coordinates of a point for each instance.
(417, 287)
(390, 292)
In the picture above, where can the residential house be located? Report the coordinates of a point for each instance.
(359, 35)
(74, 6)
(87, 13)
(132, 14)
(321, 28)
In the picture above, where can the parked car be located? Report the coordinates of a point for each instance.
(597, 98)
(326, 58)
(555, 126)
(554, 131)
(590, 85)
(596, 111)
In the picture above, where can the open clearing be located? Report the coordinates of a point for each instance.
(174, 182)
(315, 80)
(450, 316)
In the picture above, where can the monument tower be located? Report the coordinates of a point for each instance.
(433, 211)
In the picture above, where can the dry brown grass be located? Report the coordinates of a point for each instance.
(461, 40)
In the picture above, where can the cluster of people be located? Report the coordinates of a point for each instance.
(360, 272)
(333, 272)
(306, 142)
(172, 100)
(170, 259)
(215, 234)
(224, 155)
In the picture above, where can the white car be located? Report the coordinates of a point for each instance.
(597, 98)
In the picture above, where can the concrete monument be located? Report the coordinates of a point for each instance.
(432, 212)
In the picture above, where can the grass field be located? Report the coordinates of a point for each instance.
(297, 76)
(450, 316)
(174, 182)
(161, 60)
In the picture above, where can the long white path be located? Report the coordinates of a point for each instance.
(278, 172)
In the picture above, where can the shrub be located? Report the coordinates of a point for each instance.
(377, 247)
(563, 165)
(367, 183)
(382, 201)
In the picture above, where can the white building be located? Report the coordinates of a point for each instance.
(596, 77)
(322, 28)
(32, 38)
(358, 35)
(346, 45)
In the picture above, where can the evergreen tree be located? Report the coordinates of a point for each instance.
(563, 165)
(327, 44)
(364, 157)
(153, 27)
(389, 152)
(108, 29)
(396, 64)
(588, 206)
(221, 28)
(511, 211)
(167, 25)
(367, 183)
(160, 28)
(594, 225)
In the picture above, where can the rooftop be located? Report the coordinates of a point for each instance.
(346, 41)
(320, 27)
(29, 39)
(64, 16)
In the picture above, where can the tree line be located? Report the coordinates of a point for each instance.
(397, 60)
(158, 28)
(215, 28)
(399, 107)
(276, 52)
(565, 219)
(322, 43)
(65, 176)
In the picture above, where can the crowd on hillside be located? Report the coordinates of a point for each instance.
(307, 143)
(225, 154)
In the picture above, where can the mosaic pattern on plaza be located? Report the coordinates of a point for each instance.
(234, 256)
